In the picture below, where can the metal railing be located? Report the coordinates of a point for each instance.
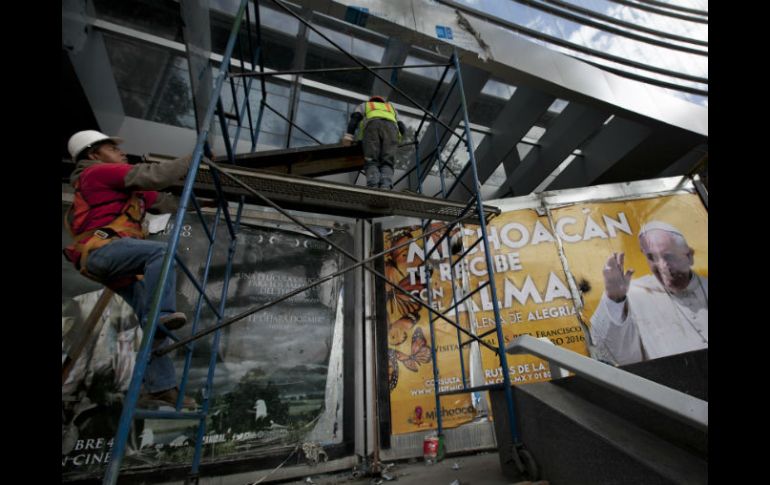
(678, 405)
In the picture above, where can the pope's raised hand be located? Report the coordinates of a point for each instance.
(616, 281)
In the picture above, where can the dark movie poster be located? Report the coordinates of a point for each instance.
(278, 378)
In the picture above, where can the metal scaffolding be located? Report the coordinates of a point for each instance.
(235, 178)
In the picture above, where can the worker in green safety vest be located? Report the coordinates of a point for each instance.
(379, 130)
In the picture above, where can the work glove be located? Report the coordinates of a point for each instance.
(347, 139)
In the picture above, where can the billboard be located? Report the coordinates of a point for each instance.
(622, 280)
(410, 368)
(651, 255)
(279, 373)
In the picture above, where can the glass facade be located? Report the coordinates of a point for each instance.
(323, 117)
(154, 83)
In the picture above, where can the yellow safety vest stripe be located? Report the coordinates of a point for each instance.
(380, 110)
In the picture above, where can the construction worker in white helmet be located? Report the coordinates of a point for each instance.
(105, 220)
(380, 131)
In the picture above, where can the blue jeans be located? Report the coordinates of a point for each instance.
(127, 257)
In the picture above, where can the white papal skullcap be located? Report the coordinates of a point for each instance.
(661, 226)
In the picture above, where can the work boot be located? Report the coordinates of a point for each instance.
(164, 398)
(173, 321)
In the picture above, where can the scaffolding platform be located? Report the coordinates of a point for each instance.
(321, 196)
(312, 161)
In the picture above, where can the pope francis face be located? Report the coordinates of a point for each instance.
(669, 258)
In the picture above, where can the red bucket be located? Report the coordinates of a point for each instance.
(430, 447)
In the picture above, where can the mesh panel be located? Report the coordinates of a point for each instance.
(329, 197)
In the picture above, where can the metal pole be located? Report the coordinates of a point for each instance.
(432, 327)
(214, 351)
(488, 255)
(199, 305)
(331, 69)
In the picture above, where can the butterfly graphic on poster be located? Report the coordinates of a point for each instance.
(397, 331)
(399, 303)
(404, 311)
(420, 354)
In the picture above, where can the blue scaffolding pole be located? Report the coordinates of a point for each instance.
(521, 457)
(129, 412)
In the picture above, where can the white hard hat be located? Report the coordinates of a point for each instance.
(86, 139)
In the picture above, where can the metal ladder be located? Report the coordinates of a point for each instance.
(130, 412)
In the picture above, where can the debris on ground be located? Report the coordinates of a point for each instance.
(314, 453)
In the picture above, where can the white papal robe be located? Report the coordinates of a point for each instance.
(657, 324)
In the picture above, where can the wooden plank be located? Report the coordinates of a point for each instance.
(313, 161)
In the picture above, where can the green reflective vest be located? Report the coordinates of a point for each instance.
(375, 109)
(380, 110)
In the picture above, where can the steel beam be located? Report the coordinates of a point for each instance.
(395, 54)
(654, 155)
(687, 163)
(615, 140)
(521, 111)
(474, 80)
(571, 128)
(510, 161)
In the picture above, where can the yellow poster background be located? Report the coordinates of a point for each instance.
(410, 369)
(533, 294)
(587, 257)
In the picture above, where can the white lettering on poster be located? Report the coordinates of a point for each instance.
(515, 235)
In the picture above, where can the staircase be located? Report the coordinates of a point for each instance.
(581, 433)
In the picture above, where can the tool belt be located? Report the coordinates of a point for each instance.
(96, 239)
(128, 223)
